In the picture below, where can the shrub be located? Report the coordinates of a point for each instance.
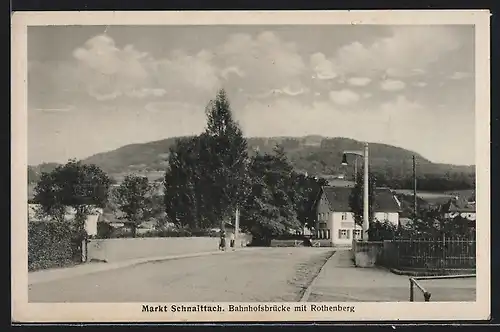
(380, 231)
(52, 244)
(179, 232)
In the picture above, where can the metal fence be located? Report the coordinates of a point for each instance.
(427, 295)
(434, 254)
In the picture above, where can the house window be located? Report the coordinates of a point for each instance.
(357, 234)
(344, 216)
(319, 216)
(344, 234)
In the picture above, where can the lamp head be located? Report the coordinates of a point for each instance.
(344, 160)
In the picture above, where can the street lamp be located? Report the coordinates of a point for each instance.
(366, 214)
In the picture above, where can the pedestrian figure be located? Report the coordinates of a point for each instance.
(222, 245)
(231, 243)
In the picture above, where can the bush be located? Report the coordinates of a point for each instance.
(52, 244)
(380, 231)
(179, 232)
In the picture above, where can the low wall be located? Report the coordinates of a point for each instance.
(121, 249)
(114, 250)
(367, 254)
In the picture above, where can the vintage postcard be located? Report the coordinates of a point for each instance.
(250, 166)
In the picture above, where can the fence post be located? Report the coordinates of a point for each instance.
(427, 296)
(411, 290)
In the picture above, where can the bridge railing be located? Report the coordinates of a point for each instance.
(414, 282)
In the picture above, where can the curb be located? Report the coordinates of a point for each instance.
(309, 288)
(43, 276)
(431, 273)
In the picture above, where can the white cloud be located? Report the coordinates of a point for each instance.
(367, 95)
(288, 91)
(392, 85)
(183, 71)
(109, 72)
(421, 84)
(359, 81)
(267, 62)
(146, 92)
(69, 108)
(344, 97)
(406, 52)
(232, 70)
(459, 75)
(322, 67)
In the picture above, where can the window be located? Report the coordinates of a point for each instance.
(344, 216)
(344, 234)
(357, 234)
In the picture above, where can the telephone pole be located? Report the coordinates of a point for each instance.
(414, 189)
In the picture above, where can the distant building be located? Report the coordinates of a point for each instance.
(459, 206)
(336, 219)
(69, 216)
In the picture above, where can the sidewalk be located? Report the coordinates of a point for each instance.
(339, 280)
(88, 268)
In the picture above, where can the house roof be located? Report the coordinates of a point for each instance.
(338, 199)
(459, 204)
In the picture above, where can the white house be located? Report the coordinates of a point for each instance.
(90, 223)
(336, 220)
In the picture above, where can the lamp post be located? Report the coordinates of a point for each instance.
(366, 213)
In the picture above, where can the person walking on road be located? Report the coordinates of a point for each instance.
(222, 245)
(231, 243)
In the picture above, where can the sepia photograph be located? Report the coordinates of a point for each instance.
(232, 167)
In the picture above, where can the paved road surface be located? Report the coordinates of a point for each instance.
(269, 274)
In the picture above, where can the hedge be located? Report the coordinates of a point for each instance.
(52, 244)
(105, 231)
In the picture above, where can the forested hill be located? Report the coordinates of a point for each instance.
(315, 155)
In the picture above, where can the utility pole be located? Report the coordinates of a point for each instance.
(414, 189)
(236, 225)
(366, 204)
(366, 214)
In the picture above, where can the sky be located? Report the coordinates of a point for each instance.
(96, 88)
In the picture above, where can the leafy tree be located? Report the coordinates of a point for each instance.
(207, 178)
(432, 224)
(133, 198)
(356, 199)
(306, 190)
(182, 179)
(82, 187)
(269, 210)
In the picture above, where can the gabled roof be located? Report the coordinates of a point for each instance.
(459, 204)
(338, 199)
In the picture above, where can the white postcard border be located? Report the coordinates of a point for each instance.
(22, 311)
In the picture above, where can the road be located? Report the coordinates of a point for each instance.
(261, 275)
